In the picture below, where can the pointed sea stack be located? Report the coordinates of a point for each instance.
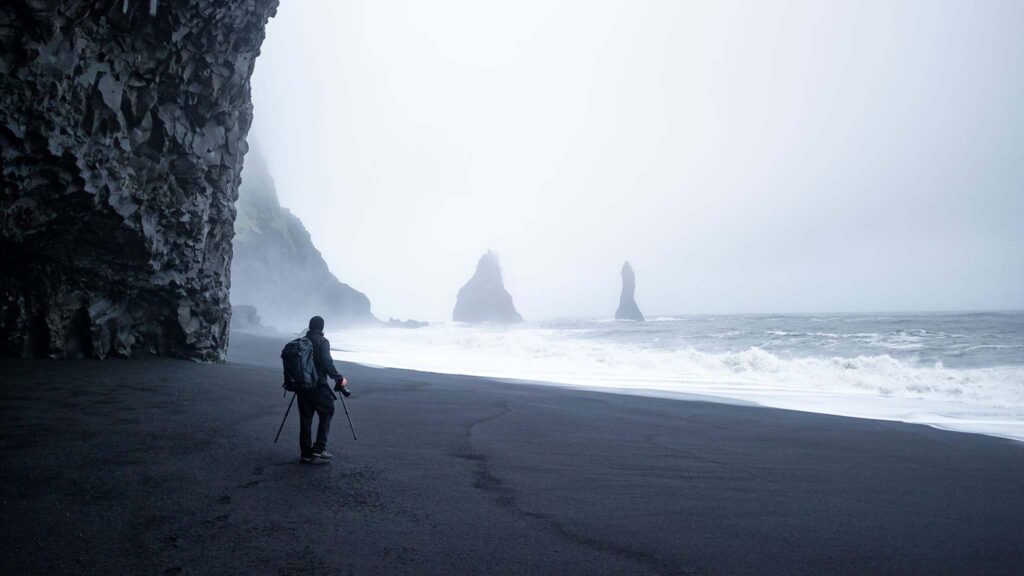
(628, 310)
(484, 298)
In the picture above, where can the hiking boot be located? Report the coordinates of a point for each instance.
(322, 455)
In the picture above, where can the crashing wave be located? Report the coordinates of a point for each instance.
(873, 386)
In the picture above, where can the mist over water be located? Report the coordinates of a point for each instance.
(770, 157)
(957, 371)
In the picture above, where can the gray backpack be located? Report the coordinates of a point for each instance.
(299, 367)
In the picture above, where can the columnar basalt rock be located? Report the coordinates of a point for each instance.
(628, 310)
(484, 298)
(122, 135)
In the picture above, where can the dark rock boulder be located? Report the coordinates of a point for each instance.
(396, 323)
(628, 310)
(484, 298)
(122, 134)
(276, 266)
(245, 318)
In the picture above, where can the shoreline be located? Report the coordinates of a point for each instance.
(698, 397)
(949, 374)
(653, 393)
(162, 466)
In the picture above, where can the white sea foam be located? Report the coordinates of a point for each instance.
(988, 399)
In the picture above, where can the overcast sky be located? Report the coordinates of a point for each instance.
(744, 156)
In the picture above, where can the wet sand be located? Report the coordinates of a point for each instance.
(161, 466)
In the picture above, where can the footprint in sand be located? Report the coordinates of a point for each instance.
(210, 522)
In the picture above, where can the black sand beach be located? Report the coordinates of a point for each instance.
(157, 466)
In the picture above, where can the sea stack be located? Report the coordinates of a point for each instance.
(628, 310)
(484, 298)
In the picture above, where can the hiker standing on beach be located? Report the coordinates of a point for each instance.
(318, 399)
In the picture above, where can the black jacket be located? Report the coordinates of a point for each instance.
(322, 358)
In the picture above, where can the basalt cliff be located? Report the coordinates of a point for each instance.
(484, 298)
(122, 128)
(277, 268)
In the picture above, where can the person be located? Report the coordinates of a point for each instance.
(319, 399)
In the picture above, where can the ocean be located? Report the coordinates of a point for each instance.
(958, 371)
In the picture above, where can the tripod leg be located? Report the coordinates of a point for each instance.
(285, 418)
(345, 406)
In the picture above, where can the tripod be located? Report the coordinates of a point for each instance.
(292, 401)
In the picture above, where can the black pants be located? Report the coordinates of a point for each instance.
(319, 400)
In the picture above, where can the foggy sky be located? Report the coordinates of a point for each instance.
(744, 156)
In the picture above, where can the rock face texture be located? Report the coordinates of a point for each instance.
(484, 298)
(277, 268)
(122, 135)
(628, 310)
